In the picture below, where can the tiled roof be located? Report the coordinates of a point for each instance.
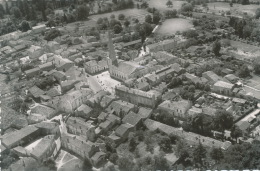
(120, 105)
(144, 112)
(121, 130)
(43, 110)
(102, 116)
(106, 100)
(34, 70)
(42, 146)
(224, 85)
(132, 118)
(36, 91)
(10, 139)
(85, 109)
(53, 92)
(79, 123)
(105, 124)
(25, 161)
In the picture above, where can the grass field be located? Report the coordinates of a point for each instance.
(171, 26)
(161, 4)
(237, 9)
(129, 13)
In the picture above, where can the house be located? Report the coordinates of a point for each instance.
(164, 58)
(176, 108)
(211, 76)
(78, 126)
(120, 107)
(95, 99)
(239, 101)
(43, 110)
(38, 29)
(35, 118)
(74, 99)
(244, 126)
(79, 146)
(106, 126)
(32, 72)
(132, 43)
(113, 140)
(209, 111)
(223, 87)
(123, 131)
(62, 64)
(114, 119)
(107, 100)
(81, 85)
(47, 66)
(24, 164)
(21, 47)
(59, 76)
(84, 111)
(232, 78)
(94, 67)
(52, 46)
(162, 46)
(189, 137)
(53, 92)
(145, 113)
(102, 117)
(76, 73)
(194, 111)
(35, 92)
(133, 119)
(35, 52)
(227, 71)
(44, 149)
(142, 85)
(20, 137)
(48, 128)
(98, 159)
(137, 97)
(68, 85)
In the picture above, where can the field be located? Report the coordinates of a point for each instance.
(161, 4)
(245, 51)
(171, 26)
(237, 9)
(129, 13)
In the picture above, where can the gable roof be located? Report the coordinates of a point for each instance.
(122, 129)
(36, 91)
(132, 118)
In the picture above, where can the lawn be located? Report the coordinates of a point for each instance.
(161, 4)
(237, 9)
(129, 13)
(171, 26)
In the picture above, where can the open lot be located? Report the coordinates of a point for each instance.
(237, 9)
(129, 13)
(171, 26)
(161, 4)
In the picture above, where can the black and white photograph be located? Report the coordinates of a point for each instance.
(129, 85)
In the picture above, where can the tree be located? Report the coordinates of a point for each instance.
(186, 7)
(165, 144)
(243, 71)
(245, 2)
(112, 16)
(7, 8)
(216, 48)
(117, 29)
(257, 13)
(170, 13)
(86, 165)
(41, 5)
(113, 158)
(231, 4)
(199, 154)
(216, 154)
(2, 11)
(222, 120)
(132, 144)
(257, 65)
(121, 17)
(181, 150)
(82, 12)
(126, 23)
(156, 18)
(169, 3)
(148, 18)
(236, 132)
(160, 163)
(16, 12)
(52, 34)
(33, 15)
(25, 26)
(125, 164)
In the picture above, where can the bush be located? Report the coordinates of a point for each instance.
(121, 17)
(24, 26)
(52, 34)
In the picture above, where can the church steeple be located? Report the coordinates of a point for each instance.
(112, 53)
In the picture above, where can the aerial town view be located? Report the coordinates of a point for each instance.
(129, 85)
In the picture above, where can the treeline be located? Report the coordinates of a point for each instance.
(245, 28)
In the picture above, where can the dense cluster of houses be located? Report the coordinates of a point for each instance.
(89, 117)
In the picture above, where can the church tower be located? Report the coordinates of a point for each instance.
(112, 53)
